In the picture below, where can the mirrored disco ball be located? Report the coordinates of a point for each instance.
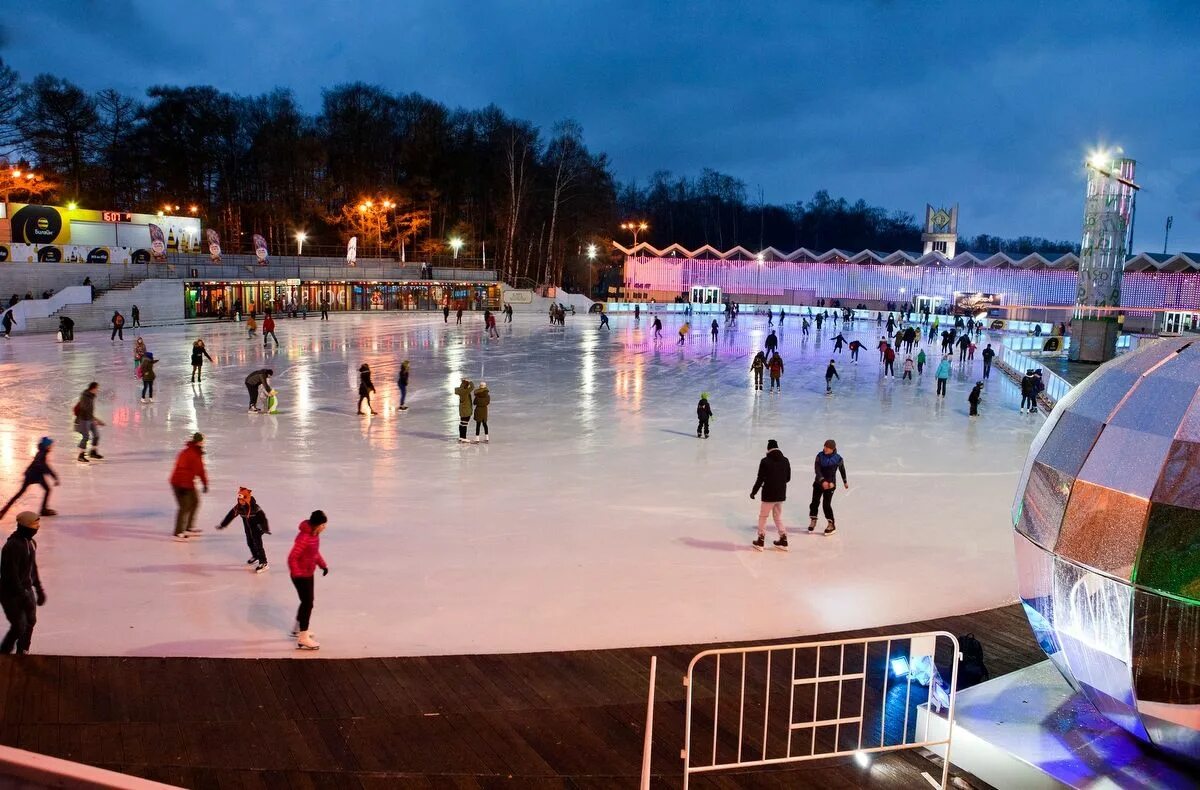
(1107, 521)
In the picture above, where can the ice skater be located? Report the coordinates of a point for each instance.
(325, 307)
(199, 354)
(827, 466)
(465, 408)
(704, 413)
(269, 330)
(148, 376)
(86, 423)
(303, 561)
(483, 398)
(604, 321)
(756, 367)
(136, 315)
(830, 374)
(139, 351)
(254, 522)
(889, 362)
(251, 325)
(974, 398)
(988, 354)
(964, 344)
(921, 362)
(804, 326)
(943, 375)
(908, 368)
(855, 347)
(713, 330)
(189, 465)
(258, 379)
(35, 475)
(402, 382)
(21, 590)
(1028, 392)
(775, 367)
(771, 343)
(838, 342)
(683, 331)
(774, 473)
(657, 328)
(445, 314)
(365, 388)
(118, 325)
(489, 321)
(458, 317)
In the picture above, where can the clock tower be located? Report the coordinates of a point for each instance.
(941, 230)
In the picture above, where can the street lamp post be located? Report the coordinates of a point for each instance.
(300, 238)
(456, 244)
(635, 227)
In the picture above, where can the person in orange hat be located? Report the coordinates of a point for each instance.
(254, 521)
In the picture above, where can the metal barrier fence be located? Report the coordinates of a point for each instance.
(845, 695)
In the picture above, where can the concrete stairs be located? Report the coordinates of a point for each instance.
(160, 303)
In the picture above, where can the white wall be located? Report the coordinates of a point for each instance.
(43, 308)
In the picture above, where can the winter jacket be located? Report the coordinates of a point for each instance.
(118, 320)
(855, 345)
(365, 387)
(252, 515)
(943, 369)
(463, 391)
(831, 373)
(908, 365)
(39, 468)
(305, 556)
(85, 409)
(403, 381)
(199, 354)
(772, 341)
(18, 565)
(258, 377)
(776, 366)
(964, 341)
(827, 468)
(268, 324)
(774, 473)
(703, 409)
(988, 354)
(189, 465)
(921, 357)
(482, 399)
(974, 397)
(758, 363)
(889, 354)
(147, 368)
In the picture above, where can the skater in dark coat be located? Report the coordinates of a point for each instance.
(257, 379)
(756, 366)
(827, 466)
(446, 314)
(837, 343)
(1029, 392)
(465, 408)
(964, 344)
(199, 354)
(772, 343)
(604, 321)
(483, 399)
(136, 315)
(86, 423)
(714, 330)
(855, 347)
(66, 325)
(988, 355)
(254, 521)
(775, 366)
(118, 325)
(8, 321)
(704, 413)
(365, 388)
(458, 316)
(830, 374)
(974, 398)
(35, 475)
(657, 328)
(774, 473)
(403, 383)
(21, 590)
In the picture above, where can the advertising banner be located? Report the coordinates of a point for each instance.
(214, 246)
(61, 226)
(69, 253)
(260, 249)
(352, 251)
(158, 244)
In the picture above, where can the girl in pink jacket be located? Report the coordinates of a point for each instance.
(303, 561)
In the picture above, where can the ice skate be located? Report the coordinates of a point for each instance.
(262, 566)
(462, 440)
(82, 458)
(180, 538)
(253, 410)
(145, 401)
(252, 561)
(829, 527)
(485, 440)
(812, 523)
(475, 440)
(305, 641)
(781, 544)
(403, 408)
(193, 531)
(48, 512)
(759, 542)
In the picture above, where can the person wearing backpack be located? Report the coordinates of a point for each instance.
(971, 668)
(118, 323)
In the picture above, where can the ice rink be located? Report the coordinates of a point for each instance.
(595, 518)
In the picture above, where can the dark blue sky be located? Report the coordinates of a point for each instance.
(900, 103)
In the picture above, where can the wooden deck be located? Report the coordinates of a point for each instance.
(544, 720)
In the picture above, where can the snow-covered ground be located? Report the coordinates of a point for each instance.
(595, 518)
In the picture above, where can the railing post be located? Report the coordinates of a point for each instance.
(647, 744)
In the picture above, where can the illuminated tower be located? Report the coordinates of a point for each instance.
(1107, 216)
(941, 230)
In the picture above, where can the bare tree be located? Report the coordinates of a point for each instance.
(517, 155)
(10, 108)
(567, 156)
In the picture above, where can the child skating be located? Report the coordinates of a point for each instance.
(148, 376)
(704, 413)
(830, 374)
(483, 399)
(757, 365)
(254, 522)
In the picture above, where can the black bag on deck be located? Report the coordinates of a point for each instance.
(971, 670)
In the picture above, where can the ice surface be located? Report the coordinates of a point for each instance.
(595, 518)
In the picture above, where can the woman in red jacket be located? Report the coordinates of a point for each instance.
(303, 561)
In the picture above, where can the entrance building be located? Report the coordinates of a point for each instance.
(205, 299)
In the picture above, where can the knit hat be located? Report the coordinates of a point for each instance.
(28, 519)
(197, 437)
(149, 355)
(363, 367)
(317, 518)
(45, 442)
(772, 444)
(703, 396)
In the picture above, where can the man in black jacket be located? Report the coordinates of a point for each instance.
(988, 355)
(774, 473)
(20, 587)
(257, 379)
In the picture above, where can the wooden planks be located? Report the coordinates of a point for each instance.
(555, 720)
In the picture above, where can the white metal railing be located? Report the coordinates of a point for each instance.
(853, 707)
(1055, 386)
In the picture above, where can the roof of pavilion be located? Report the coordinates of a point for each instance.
(1142, 262)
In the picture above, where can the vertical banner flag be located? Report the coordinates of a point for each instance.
(260, 249)
(214, 246)
(352, 251)
(158, 244)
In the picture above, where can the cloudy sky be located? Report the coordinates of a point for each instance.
(900, 102)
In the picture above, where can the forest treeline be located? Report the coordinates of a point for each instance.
(403, 172)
